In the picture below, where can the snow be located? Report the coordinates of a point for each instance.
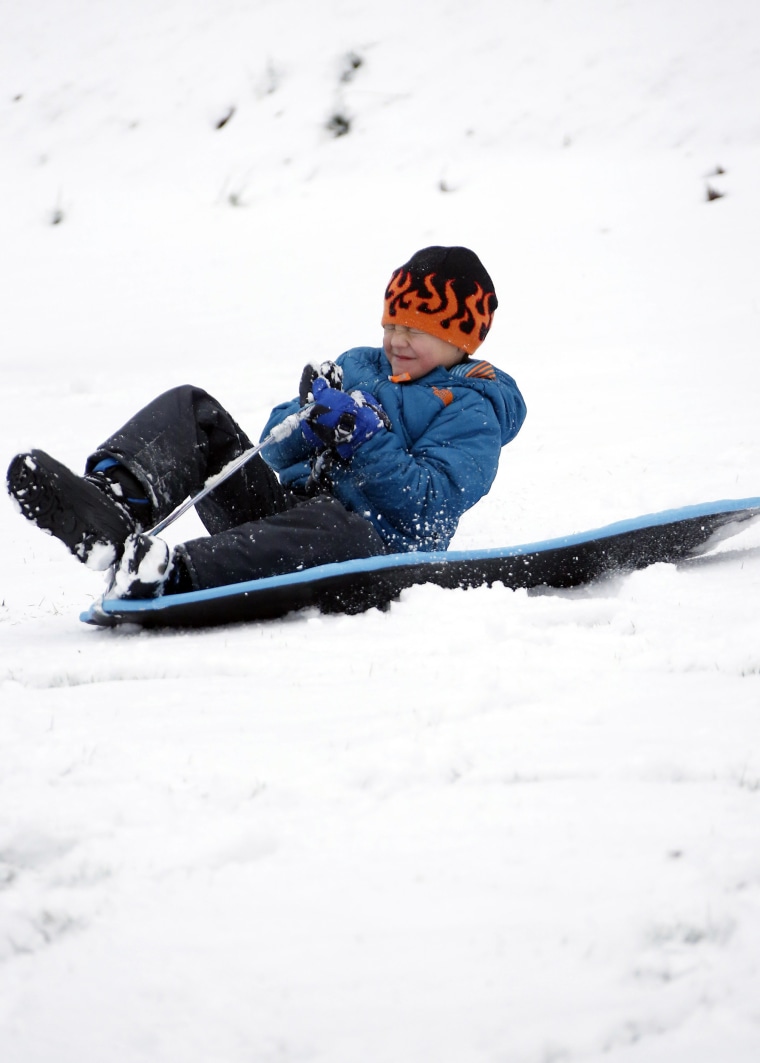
(482, 826)
(145, 561)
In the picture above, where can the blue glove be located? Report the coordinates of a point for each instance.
(340, 421)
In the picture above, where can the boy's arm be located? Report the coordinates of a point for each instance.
(422, 492)
(293, 448)
(418, 493)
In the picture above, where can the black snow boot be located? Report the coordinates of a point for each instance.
(89, 514)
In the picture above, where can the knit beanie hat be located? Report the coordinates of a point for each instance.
(444, 291)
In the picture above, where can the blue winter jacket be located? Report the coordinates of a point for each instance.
(415, 481)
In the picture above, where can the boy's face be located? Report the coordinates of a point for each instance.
(416, 353)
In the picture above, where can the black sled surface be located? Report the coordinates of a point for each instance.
(354, 586)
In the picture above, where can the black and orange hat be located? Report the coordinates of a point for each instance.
(444, 291)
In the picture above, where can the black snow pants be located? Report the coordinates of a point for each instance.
(256, 526)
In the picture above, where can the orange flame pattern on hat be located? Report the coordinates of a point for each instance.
(438, 309)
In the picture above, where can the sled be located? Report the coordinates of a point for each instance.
(374, 582)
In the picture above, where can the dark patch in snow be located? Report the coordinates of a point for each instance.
(338, 124)
(225, 119)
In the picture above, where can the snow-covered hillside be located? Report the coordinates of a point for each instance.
(483, 826)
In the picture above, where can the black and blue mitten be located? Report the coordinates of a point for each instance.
(340, 421)
(328, 371)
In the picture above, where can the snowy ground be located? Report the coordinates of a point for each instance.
(485, 826)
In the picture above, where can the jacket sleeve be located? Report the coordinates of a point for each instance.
(293, 448)
(420, 492)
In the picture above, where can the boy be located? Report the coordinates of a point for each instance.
(390, 446)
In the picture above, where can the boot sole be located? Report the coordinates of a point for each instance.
(67, 506)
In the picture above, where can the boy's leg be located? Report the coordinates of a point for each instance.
(163, 454)
(180, 439)
(314, 532)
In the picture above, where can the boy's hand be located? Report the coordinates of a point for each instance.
(342, 422)
(327, 371)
